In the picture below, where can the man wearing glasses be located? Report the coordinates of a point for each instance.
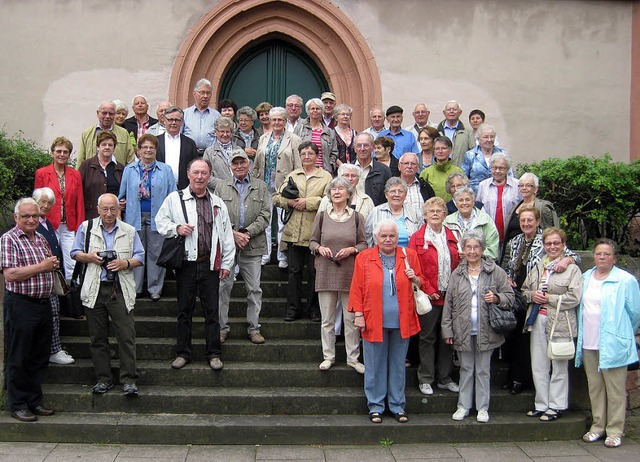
(27, 266)
(294, 111)
(109, 292)
(175, 149)
(199, 118)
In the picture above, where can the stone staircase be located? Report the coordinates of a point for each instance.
(266, 394)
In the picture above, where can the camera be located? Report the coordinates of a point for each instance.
(107, 257)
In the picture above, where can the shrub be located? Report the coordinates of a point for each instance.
(594, 197)
(19, 160)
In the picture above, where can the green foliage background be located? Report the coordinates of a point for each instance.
(594, 197)
(19, 160)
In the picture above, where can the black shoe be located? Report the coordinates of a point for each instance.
(315, 317)
(101, 388)
(507, 385)
(24, 415)
(41, 410)
(291, 316)
(130, 390)
(516, 388)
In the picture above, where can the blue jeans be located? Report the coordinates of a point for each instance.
(384, 373)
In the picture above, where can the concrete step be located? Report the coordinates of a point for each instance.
(273, 307)
(124, 428)
(258, 400)
(165, 326)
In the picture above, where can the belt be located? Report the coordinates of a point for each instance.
(107, 283)
(203, 258)
(36, 300)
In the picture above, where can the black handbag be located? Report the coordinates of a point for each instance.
(172, 252)
(71, 304)
(290, 191)
(501, 321)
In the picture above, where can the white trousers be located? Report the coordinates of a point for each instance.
(65, 238)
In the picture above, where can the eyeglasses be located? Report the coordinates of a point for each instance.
(472, 247)
(499, 169)
(204, 93)
(553, 244)
(173, 121)
(108, 209)
(294, 105)
(29, 217)
(147, 148)
(526, 186)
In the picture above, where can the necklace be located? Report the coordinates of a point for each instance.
(389, 263)
(601, 278)
(474, 269)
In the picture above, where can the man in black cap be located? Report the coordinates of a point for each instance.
(404, 140)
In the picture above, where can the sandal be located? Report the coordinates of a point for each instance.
(613, 441)
(375, 417)
(401, 417)
(550, 415)
(591, 437)
(534, 413)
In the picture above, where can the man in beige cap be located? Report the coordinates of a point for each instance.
(329, 101)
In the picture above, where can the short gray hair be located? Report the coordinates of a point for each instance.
(454, 175)
(378, 226)
(484, 128)
(342, 107)
(500, 156)
(339, 181)
(139, 96)
(475, 235)
(173, 109)
(278, 110)
(120, 106)
(223, 122)
(533, 177)
(248, 111)
(25, 201)
(202, 83)
(465, 190)
(292, 97)
(317, 101)
(353, 167)
(395, 181)
(46, 193)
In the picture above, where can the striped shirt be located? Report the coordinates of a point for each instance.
(16, 251)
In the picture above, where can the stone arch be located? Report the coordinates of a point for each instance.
(315, 26)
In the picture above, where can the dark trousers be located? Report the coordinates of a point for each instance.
(517, 352)
(196, 278)
(106, 311)
(431, 347)
(299, 257)
(28, 327)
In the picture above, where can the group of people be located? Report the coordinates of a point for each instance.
(372, 215)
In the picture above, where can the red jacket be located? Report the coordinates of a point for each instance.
(46, 177)
(429, 260)
(365, 295)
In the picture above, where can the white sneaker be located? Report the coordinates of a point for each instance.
(358, 366)
(483, 416)
(460, 414)
(425, 389)
(283, 264)
(265, 261)
(451, 386)
(61, 357)
(325, 365)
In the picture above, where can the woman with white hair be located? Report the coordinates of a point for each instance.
(45, 199)
(476, 161)
(246, 136)
(381, 297)
(528, 185)
(359, 201)
(499, 194)
(322, 136)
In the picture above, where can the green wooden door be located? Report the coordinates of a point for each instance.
(270, 72)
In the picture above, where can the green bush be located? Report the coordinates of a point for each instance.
(19, 160)
(594, 197)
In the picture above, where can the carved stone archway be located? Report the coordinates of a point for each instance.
(316, 26)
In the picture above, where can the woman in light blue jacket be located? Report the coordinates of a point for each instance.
(608, 318)
(143, 188)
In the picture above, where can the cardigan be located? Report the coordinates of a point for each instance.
(73, 195)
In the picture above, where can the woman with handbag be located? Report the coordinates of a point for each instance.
(474, 285)
(553, 297)
(45, 197)
(338, 236)
(608, 317)
(437, 250)
(144, 186)
(311, 183)
(382, 299)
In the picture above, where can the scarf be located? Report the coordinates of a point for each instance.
(466, 225)
(144, 189)
(439, 241)
(226, 149)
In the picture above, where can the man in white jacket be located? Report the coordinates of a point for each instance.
(209, 257)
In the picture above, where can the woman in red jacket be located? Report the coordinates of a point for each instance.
(437, 250)
(382, 298)
(67, 211)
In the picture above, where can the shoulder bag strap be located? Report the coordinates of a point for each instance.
(184, 209)
(406, 260)
(553, 327)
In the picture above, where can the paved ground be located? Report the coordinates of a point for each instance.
(567, 451)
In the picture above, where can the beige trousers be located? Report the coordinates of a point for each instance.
(328, 301)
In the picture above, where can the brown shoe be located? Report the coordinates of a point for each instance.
(179, 363)
(41, 410)
(256, 338)
(223, 336)
(216, 364)
(24, 415)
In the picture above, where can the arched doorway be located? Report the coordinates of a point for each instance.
(270, 72)
(316, 27)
